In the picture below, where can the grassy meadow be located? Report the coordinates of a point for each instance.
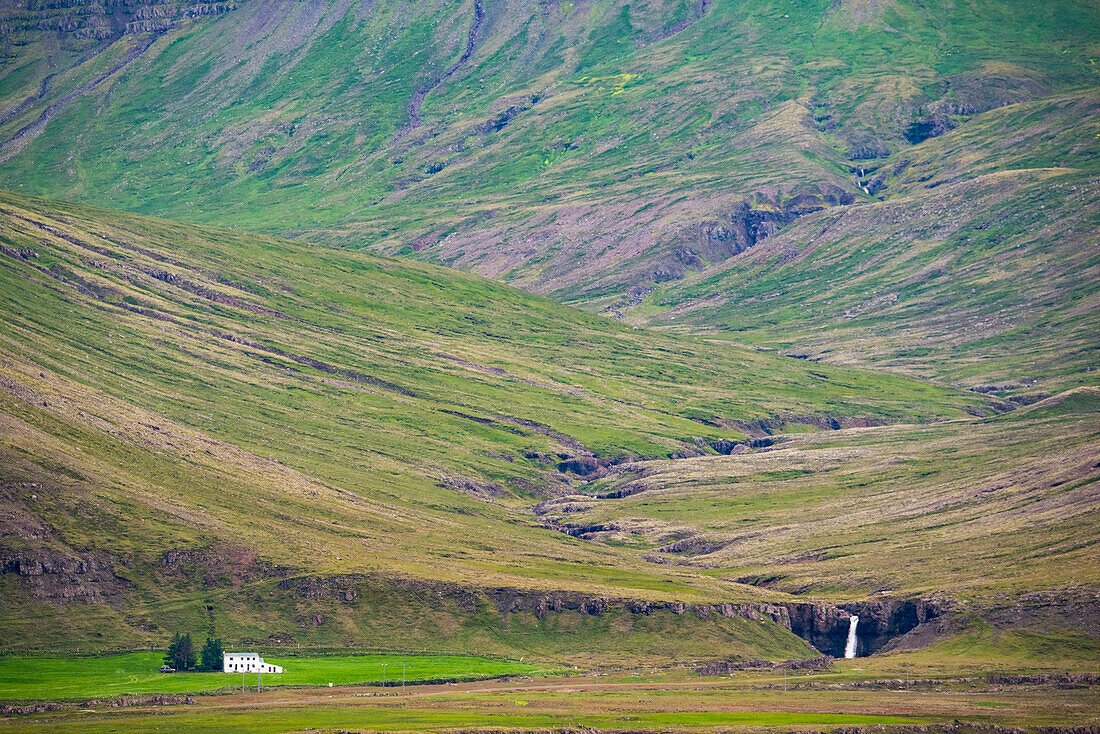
(641, 700)
(138, 673)
(550, 350)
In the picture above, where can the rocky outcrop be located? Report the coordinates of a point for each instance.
(745, 225)
(763, 427)
(348, 589)
(727, 447)
(585, 466)
(337, 588)
(966, 95)
(882, 621)
(863, 145)
(934, 122)
(823, 626)
(1058, 680)
(826, 626)
(125, 702)
(85, 20)
(61, 579)
(696, 545)
(724, 667)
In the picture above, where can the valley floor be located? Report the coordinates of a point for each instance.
(639, 700)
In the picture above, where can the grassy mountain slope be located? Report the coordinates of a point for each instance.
(570, 148)
(980, 268)
(984, 509)
(193, 416)
(222, 431)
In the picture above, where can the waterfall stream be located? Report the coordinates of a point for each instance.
(850, 647)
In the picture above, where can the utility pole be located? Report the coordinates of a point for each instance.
(242, 681)
(402, 677)
(259, 682)
(383, 677)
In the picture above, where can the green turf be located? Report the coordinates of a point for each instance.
(138, 673)
(427, 720)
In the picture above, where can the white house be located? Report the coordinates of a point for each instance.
(247, 662)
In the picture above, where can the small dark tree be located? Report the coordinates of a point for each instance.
(173, 651)
(186, 657)
(211, 656)
(181, 653)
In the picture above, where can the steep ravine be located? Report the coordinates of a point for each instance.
(419, 96)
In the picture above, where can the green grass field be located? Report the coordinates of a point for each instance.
(138, 673)
(417, 720)
(631, 700)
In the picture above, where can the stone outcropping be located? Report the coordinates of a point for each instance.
(724, 667)
(824, 626)
(745, 225)
(60, 579)
(84, 20)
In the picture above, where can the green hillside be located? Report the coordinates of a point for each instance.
(188, 410)
(563, 333)
(573, 149)
(980, 268)
(978, 509)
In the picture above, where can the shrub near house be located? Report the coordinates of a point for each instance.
(181, 653)
(211, 656)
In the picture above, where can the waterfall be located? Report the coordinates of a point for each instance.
(850, 647)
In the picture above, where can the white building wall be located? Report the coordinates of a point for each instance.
(247, 662)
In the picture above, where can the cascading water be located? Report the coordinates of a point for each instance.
(850, 647)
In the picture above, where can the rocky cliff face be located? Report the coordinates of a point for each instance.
(78, 20)
(743, 226)
(824, 626)
(61, 579)
(882, 621)
(67, 578)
